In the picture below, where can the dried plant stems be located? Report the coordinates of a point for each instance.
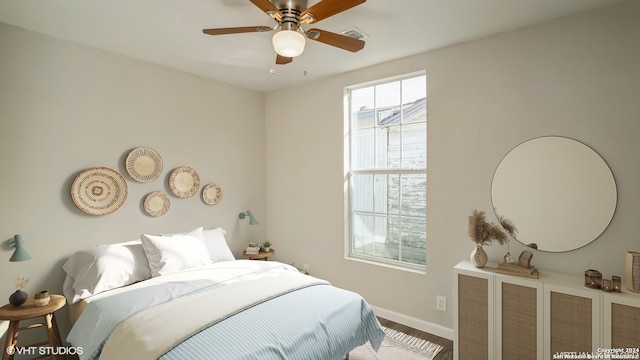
(483, 232)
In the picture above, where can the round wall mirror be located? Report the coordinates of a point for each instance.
(558, 193)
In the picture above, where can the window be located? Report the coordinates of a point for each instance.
(386, 171)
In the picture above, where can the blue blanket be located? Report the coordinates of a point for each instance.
(318, 322)
(315, 322)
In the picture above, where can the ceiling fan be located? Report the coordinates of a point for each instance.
(290, 38)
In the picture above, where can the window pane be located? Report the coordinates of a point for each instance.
(388, 95)
(384, 245)
(362, 107)
(414, 236)
(393, 194)
(382, 148)
(380, 236)
(415, 111)
(364, 118)
(362, 239)
(414, 146)
(362, 145)
(414, 89)
(381, 192)
(414, 195)
(393, 240)
(394, 142)
(362, 193)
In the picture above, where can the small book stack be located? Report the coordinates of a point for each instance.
(252, 250)
(515, 269)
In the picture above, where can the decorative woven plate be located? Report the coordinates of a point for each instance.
(156, 203)
(99, 191)
(144, 164)
(184, 182)
(211, 194)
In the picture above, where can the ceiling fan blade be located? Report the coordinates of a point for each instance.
(281, 60)
(338, 40)
(265, 5)
(236, 30)
(326, 8)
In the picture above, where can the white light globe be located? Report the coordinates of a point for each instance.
(288, 43)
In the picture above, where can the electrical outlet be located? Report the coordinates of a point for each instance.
(441, 303)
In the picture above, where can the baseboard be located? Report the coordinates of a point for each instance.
(418, 324)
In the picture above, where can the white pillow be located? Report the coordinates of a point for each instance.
(168, 254)
(105, 267)
(217, 245)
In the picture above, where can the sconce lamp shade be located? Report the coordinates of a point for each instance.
(252, 220)
(288, 43)
(20, 254)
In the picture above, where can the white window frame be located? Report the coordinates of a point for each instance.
(348, 173)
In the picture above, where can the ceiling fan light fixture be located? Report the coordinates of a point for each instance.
(288, 43)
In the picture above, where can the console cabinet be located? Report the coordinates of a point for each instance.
(498, 316)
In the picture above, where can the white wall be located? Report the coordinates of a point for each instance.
(65, 108)
(577, 77)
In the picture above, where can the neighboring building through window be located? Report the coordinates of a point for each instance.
(386, 171)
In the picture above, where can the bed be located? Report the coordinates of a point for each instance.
(184, 296)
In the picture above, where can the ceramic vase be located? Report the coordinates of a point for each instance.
(42, 298)
(18, 298)
(478, 257)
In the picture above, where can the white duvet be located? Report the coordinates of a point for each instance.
(150, 333)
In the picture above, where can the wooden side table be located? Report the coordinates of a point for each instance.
(259, 256)
(28, 310)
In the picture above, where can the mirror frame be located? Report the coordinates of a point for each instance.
(556, 213)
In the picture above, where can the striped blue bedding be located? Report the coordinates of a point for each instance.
(315, 322)
(318, 322)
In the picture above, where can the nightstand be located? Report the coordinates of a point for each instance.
(259, 256)
(28, 310)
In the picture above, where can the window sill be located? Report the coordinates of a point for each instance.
(417, 269)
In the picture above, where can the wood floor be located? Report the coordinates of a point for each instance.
(445, 354)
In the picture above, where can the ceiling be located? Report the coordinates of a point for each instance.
(169, 32)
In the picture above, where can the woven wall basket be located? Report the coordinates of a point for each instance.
(211, 194)
(99, 191)
(144, 164)
(156, 203)
(184, 182)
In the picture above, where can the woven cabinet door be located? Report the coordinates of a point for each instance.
(625, 326)
(621, 315)
(473, 317)
(519, 326)
(573, 320)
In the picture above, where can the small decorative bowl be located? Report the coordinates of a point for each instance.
(253, 244)
(42, 298)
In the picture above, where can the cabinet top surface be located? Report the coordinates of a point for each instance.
(547, 277)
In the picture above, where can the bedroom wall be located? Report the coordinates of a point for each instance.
(577, 77)
(66, 107)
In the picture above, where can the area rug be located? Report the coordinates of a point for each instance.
(397, 346)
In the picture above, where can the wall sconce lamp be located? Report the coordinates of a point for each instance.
(20, 254)
(252, 220)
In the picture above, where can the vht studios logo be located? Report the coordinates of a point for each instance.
(44, 350)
